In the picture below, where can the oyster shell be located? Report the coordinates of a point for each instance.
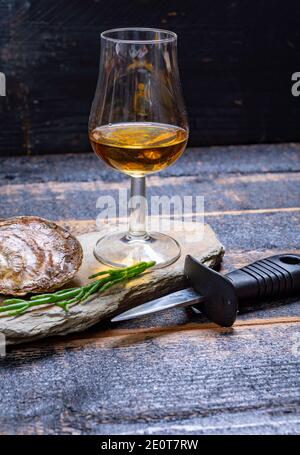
(36, 255)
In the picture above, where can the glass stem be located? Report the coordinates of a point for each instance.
(137, 209)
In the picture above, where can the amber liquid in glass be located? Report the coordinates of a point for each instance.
(138, 148)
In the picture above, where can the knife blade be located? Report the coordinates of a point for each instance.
(217, 295)
(185, 297)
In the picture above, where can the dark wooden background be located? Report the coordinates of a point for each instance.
(236, 61)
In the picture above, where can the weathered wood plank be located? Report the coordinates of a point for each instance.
(227, 179)
(50, 54)
(162, 381)
(114, 332)
(272, 231)
(85, 167)
(235, 193)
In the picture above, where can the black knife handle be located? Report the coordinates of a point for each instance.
(275, 276)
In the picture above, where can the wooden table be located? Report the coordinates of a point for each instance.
(172, 373)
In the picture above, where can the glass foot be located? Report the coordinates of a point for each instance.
(121, 250)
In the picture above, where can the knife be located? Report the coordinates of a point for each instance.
(217, 295)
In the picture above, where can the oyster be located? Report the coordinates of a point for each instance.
(36, 255)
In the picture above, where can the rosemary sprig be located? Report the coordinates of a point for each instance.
(73, 296)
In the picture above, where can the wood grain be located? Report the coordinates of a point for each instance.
(138, 334)
(211, 161)
(165, 382)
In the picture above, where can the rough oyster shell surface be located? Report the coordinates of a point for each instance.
(36, 255)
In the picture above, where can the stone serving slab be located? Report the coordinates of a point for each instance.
(52, 321)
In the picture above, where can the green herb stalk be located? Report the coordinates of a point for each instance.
(73, 296)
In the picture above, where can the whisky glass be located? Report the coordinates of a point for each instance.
(138, 125)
